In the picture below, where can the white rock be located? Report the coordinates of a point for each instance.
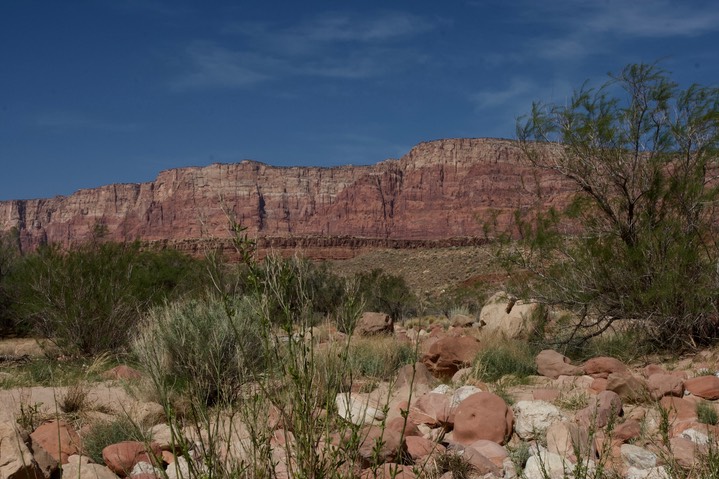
(143, 467)
(15, 458)
(87, 471)
(463, 393)
(357, 410)
(547, 465)
(697, 437)
(638, 457)
(512, 324)
(533, 418)
(654, 473)
(180, 469)
(442, 389)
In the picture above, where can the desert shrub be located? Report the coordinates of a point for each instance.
(103, 434)
(454, 464)
(627, 346)
(386, 293)
(503, 358)
(468, 296)
(9, 253)
(70, 296)
(379, 358)
(642, 154)
(75, 399)
(206, 348)
(706, 413)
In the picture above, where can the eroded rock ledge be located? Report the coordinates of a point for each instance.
(441, 191)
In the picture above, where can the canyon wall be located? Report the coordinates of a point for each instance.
(440, 193)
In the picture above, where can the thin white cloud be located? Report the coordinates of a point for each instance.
(582, 28)
(655, 18)
(340, 46)
(517, 88)
(346, 28)
(78, 121)
(508, 104)
(215, 66)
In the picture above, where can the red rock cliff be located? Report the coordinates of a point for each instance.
(440, 191)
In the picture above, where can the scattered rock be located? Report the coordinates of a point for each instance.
(374, 323)
(552, 365)
(483, 415)
(603, 366)
(16, 460)
(491, 450)
(662, 384)
(706, 387)
(628, 386)
(533, 418)
(380, 445)
(52, 444)
(506, 316)
(418, 447)
(358, 409)
(450, 354)
(87, 471)
(635, 456)
(547, 465)
(123, 456)
(565, 438)
(417, 375)
(601, 409)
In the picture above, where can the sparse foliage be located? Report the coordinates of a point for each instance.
(70, 296)
(643, 156)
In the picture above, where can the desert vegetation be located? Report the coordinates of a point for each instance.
(162, 365)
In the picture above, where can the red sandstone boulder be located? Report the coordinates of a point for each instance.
(629, 429)
(57, 438)
(448, 355)
(416, 375)
(601, 409)
(552, 365)
(679, 409)
(418, 447)
(706, 387)
(483, 415)
(662, 384)
(629, 387)
(53, 443)
(374, 323)
(482, 465)
(123, 456)
(380, 445)
(602, 366)
(436, 406)
(491, 450)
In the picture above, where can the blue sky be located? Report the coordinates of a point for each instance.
(104, 91)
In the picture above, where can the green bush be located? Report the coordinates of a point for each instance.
(72, 296)
(104, 434)
(379, 358)
(706, 413)
(503, 358)
(205, 348)
(9, 253)
(641, 152)
(386, 293)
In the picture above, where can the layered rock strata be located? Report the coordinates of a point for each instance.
(440, 193)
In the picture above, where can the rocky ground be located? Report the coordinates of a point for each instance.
(598, 418)
(428, 271)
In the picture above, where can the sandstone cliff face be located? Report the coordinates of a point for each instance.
(440, 191)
